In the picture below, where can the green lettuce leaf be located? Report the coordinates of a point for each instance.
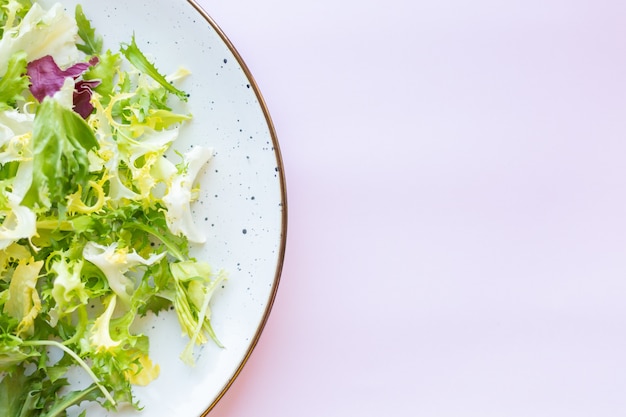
(61, 141)
(14, 391)
(14, 81)
(104, 71)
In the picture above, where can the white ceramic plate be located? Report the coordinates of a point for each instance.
(242, 208)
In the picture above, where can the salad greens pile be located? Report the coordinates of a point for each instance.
(95, 219)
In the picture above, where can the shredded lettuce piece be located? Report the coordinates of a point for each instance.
(180, 195)
(15, 137)
(68, 291)
(23, 302)
(195, 285)
(115, 262)
(20, 222)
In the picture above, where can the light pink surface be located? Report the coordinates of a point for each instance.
(456, 181)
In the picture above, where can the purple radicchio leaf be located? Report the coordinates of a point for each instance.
(82, 97)
(47, 79)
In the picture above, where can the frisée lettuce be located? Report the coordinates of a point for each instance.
(95, 219)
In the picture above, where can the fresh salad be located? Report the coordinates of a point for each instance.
(95, 218)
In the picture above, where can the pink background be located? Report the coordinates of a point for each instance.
(456, 184)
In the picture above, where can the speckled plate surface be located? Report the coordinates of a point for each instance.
(242, 207)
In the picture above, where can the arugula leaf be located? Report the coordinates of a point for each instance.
(138, 59)
(61, 140)
(91, 393)
(35, 395)
(92, 43)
